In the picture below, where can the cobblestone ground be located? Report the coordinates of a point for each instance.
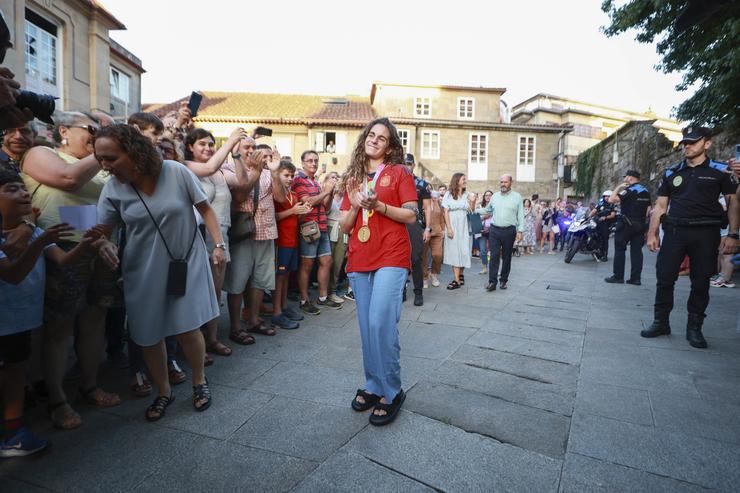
(544, 387)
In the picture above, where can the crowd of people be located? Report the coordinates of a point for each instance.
(180, 221)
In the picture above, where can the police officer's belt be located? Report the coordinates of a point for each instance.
(693, 221)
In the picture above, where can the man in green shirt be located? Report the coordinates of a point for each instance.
(507, 226)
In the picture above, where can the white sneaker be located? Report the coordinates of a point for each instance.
(336, 299)
(435, 281)
(721, 283)
(426, 284)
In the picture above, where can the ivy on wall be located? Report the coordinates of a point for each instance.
(587, 163)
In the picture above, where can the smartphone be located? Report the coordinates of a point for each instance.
(737, 152)
(267, 132)
(194, 103)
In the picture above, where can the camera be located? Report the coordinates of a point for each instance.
(41, 105)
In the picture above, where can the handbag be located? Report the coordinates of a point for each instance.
(475, 223)
(177, 272)
(243, 225)
(555, 228)
(310, 231)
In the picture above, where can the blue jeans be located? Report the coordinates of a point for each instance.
(378, 297)
(483, 248)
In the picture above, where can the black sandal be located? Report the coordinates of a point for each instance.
(159, 406)
(370, 401)
(201, 392)
(390, 409)
(462, 280)
(453, 285)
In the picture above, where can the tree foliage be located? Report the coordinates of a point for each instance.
(699, 38)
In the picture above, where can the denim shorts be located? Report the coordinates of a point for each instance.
(318, 248)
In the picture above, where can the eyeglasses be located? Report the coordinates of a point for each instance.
(90, 128)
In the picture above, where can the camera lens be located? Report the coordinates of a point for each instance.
(41, 105)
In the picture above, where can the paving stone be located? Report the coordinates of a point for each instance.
(523, 426)
(518, 365)
(316, 430)
(710, 363)
(586, 475)
(544, 311)
(238, 371)
(280, 349)
(433, 340)
(450, 459)
(697, 417)
(461, 315)
(718, 389)
(323, 385)
(524, 331)
(540, 320)
(10, 485)
(611, 401)
(527, 347)
(550, 397)
(81, 460)
(201, 464)
(630, 337)
(344, 471)
(695, 460)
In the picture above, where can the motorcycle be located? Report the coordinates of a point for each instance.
(584, 238)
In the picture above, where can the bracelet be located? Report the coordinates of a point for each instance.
(385, 212)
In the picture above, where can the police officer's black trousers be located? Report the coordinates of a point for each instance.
(633, 234)
(701, 245)
(416, 235)
(500, 248)
(603, 228)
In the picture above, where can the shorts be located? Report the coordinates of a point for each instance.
(318, 248)
(287, 260)
(546, 229)
(210, 244)
(87, 281)
(15, 348)
(253, 262)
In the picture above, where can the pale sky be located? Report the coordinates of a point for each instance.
(339, 47)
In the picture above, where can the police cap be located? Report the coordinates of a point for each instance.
(694, 133)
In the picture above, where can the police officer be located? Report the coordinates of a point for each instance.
(634, 199)
(605, 215)
(690, 227)
(419, 232)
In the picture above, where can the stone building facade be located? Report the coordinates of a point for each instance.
(63, 48)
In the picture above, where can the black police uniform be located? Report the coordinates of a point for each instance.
(603, 209)
(634, 201)
(416, 234)
(691, 227)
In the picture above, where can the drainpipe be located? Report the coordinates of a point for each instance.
(560, 160)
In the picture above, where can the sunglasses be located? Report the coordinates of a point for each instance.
(90, 128)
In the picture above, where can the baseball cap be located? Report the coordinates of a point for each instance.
(633, 172)
(694, 133)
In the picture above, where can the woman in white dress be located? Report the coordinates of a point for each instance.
(155, 201)
(457, 203)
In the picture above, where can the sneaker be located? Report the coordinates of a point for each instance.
(721, 283)
(329, 303)
(435, 281)
(426, 284)
(350, 295)
(293, 314)
(483, 271)
(336, 299)
(23, 443)
(283, 322)
(308, 307)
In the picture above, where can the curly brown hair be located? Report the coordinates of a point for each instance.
(139, 148)
(357, 168)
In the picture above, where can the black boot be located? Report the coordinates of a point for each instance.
(693, 331)
(659, 327)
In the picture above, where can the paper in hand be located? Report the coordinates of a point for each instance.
(80, 217)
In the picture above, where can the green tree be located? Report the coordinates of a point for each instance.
(698, 38)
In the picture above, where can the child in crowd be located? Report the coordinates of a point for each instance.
(22, 293)
(287, 213)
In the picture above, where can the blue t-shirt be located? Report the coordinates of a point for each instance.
(22, 304)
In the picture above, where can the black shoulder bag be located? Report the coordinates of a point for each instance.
(243, 225)
(177, 274)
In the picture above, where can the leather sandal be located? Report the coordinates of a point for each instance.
(262, 330)
(202, 394)
(157, 410)
(95, 396)
(63, 416)
(217, 347)
(241, 337)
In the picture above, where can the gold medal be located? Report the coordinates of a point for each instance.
(363, 234)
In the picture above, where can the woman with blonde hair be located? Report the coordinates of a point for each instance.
(380, 200)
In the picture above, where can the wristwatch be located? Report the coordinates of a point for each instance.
(29, 224)
(733, 236)
(428, 230)
(236, 155)
(222, 246)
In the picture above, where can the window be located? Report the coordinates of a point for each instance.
(465, 108)
(423, 107)
(404, 136)
(41, 46)
(430, 144)
(525, 158)
(119, 85)
(478, 156)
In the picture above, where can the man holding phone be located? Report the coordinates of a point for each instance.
(309, 191)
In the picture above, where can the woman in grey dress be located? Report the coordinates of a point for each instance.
(458, 240)
(528, 239)
(146, 190)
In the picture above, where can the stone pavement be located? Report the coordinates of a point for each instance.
(544, 387)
